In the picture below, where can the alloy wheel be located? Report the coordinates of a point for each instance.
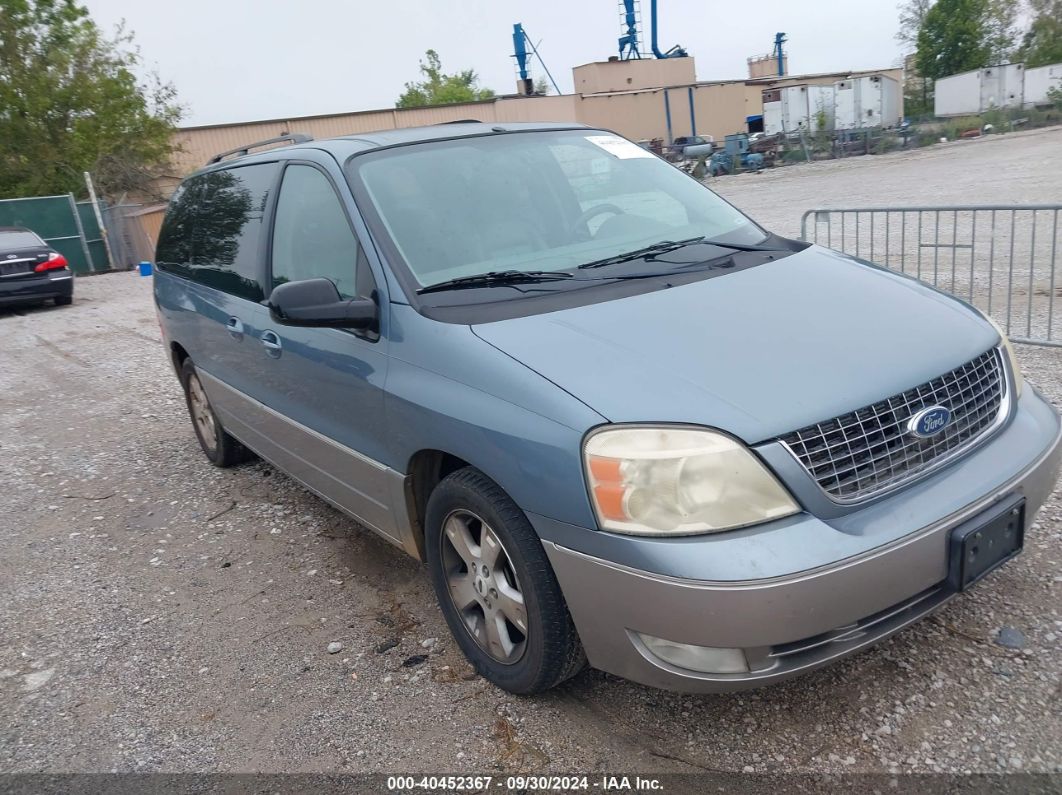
(201, 413)
(483, 586)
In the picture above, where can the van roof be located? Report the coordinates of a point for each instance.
(344, 146)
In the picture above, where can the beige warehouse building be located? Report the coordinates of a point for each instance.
(640, 99)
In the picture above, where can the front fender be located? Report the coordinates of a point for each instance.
(449, 390)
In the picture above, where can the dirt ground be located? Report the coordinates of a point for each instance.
(157, 614)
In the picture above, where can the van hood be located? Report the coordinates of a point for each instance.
(757, 353)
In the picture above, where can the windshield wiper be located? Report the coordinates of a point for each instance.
(663, 247)
(743, 246)
(496, 278)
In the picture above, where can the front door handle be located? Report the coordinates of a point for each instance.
(235, 327)
(271, 342)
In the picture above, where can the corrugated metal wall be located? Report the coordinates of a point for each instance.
(199, 144)
(556, 108)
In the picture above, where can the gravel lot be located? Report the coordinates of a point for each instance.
(159, 614)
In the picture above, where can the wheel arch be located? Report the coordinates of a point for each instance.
(177, 356)
(426, 469)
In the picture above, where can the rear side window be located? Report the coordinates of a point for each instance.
(213, 229)
(174, 249)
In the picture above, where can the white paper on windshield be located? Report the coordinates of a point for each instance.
(618, 147)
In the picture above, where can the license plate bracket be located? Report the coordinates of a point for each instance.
(985, 542)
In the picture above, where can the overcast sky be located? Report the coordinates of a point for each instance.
(237, 60)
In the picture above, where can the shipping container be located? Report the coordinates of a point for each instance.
(786, 109)
(772, 111)
(863, 102)
(1039, 81)
(821, 109)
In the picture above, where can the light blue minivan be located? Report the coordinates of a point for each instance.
(619, 421)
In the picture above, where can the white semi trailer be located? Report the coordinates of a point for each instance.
(869, 101)
(970, 93)
(1039, 82)
(793, 108)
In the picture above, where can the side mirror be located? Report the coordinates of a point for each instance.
(316, 302)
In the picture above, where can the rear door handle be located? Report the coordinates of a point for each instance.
(235, 327)
(271, 342)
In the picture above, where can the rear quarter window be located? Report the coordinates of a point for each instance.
(213, 229)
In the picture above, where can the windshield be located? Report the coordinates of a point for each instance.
(542, 201)
(19, 239)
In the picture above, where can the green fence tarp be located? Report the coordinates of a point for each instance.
(52, 217)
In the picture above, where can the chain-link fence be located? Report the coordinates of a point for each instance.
(129, 241)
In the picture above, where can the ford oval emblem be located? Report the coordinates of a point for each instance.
(929, 422)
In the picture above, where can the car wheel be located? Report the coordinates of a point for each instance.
(496, 588)
(64, 300)
(221, 449)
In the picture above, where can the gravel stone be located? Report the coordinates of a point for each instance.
(1010, 638)
(335, 647)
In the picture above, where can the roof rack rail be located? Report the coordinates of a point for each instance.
(294, 138)
(461, 121)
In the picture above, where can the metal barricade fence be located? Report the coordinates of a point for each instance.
(1001, 259)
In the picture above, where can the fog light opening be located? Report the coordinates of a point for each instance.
(703, 659)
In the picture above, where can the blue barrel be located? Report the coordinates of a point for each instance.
(145, 268)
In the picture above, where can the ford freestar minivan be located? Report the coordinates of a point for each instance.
(620, 422)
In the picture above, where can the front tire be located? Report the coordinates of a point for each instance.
(220, 449)
(64, 300)
(496, 588)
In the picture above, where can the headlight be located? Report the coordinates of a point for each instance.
(1015, 370)
(678, 481)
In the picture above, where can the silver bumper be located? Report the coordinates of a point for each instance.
(785, 625)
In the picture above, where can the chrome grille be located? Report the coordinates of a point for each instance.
(870, 450)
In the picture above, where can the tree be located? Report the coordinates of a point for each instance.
(542, 86)
(912, 17)
(438, 88)
(70, 102)
(1001, 35)
(1042, 42)
(960, 35)
(916, 88)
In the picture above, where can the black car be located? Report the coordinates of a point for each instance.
(30, 270)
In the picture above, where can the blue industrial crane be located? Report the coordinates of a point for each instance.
(674, 52)
(779, 40)
(628, 43)
(520, 43)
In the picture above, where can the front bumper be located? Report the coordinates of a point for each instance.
(50, 284)
(793, 622)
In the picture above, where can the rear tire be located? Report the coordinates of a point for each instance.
(491, 575)
(220, 449)
(64, 300)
